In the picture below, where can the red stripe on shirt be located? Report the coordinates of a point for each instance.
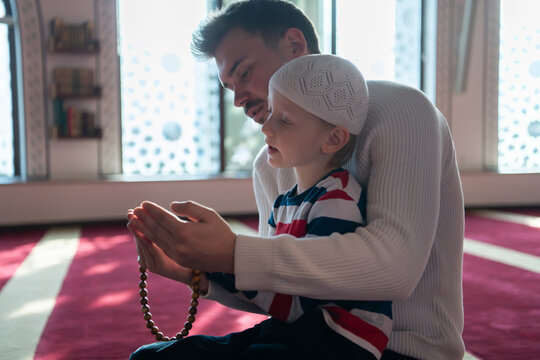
(281, 306)
(296, 228)
(358, 327)
(343, 176)
(335, 194)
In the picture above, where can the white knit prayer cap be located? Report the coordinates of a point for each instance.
(328, 86)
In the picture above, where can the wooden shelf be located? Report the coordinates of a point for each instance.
(72, 120)
(77, 137)
(90, 49)
(74, 51)
(95, 95)
(97, 134)
(76, 96)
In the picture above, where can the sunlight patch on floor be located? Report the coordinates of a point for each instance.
(470, 357)
(29, 296)
(532, 221)
(114, 299)
(240, 228)
(100, 269)
(502, 255)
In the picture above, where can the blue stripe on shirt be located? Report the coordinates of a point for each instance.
(324, 226)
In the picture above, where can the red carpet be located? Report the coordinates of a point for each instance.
(502, 311)
(251, 221)
(97, 314)
(502, 303)
(497, 232)
(15, 245)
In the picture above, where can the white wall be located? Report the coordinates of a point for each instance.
(81, 201)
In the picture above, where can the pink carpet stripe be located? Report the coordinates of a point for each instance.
(15, 245)
(502, 313)
(97, 313)
(512, 236)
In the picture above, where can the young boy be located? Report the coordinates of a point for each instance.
(317, 106)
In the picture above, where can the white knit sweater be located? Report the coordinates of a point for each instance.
(409, 252)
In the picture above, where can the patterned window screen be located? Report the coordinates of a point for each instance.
(383, 38)
(7, 168)
(170, 115)
(519, 87)
(170, 118)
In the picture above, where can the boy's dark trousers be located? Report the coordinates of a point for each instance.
(307, 338)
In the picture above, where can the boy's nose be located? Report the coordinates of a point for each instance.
(266, 127)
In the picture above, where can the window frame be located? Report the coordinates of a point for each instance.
(9, 20)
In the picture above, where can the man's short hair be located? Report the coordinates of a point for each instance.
(268, 18)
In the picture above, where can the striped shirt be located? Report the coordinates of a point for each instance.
(334, 205)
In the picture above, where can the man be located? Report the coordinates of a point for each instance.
(410, 250)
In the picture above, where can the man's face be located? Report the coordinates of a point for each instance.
(245, 65)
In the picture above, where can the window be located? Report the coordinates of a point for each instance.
(7, 92)
(383, 38)
(170, 118)
(519, 87)
(170, 102)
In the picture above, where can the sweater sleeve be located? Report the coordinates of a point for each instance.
(400, 150)
(226, 298)
(266, 188)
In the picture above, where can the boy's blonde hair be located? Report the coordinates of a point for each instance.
(343, 155)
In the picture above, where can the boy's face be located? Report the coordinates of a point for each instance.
(245, 65)
(294, 136)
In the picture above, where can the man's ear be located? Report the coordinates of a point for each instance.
(337, 139)
(293, 44)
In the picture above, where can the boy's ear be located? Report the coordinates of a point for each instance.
(294, 43)
(337, 138)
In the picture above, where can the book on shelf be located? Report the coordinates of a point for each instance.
(70, 122)
(72, 37)
(74, 82)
